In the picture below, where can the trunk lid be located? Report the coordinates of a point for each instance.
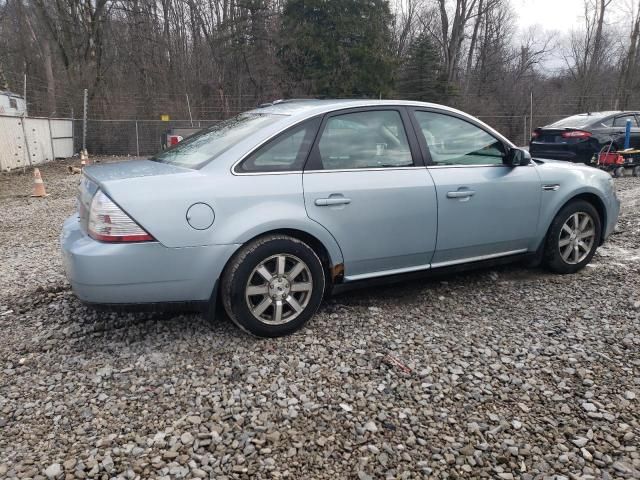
(130, 169)
(95, 177)
(550, 135)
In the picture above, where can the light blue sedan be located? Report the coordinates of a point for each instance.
(275, 208)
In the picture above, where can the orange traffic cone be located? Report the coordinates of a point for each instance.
(38, 184)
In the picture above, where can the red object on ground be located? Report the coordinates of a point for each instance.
(174, 140)
(610, 158)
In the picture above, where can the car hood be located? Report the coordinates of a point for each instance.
(130, 169)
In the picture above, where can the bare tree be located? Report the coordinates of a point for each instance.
(629, 72)
(586, 58)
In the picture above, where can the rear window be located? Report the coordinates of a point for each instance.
(204, 146)
(578, 121)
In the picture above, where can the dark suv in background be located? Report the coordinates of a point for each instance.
(578, 138)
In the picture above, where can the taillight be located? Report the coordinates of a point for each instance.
(108, 223)
(576, 134)
(535, 134)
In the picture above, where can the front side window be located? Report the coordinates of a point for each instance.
(622, 121)
(453, 141)
(285, 153)
(370, 139)
(210, 143)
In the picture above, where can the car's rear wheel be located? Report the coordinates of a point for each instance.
(273, 286)
(573, 237)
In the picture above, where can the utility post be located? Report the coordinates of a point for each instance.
(531, 113)
(84, 120)
(189, 108)
(137, 141)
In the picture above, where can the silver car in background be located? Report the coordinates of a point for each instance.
(273, 209)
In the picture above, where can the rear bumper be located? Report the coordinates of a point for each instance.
(139, 273)
(579, 154)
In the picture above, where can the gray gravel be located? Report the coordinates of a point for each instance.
(504, 373)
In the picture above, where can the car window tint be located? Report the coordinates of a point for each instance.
(371, 139)
(622, 121)
(453, 141)
(287, 152)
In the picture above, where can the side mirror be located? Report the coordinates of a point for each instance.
(518, 157)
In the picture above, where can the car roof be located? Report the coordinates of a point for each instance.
(318, 106)
(582, 120)
(296, 110)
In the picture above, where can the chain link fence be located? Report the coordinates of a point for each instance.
(129, 137)
(144, 137)
(518, 128)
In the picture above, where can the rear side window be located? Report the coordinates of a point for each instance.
(622, 121)
(286, 153)
(453, 141)
(204, 146)
(608, 122)
(13, 103)
(369, 139)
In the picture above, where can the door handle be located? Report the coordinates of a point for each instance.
(461, 194)
(327, 202)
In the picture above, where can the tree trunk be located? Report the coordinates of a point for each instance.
(474, 39)
(48, 71)
(630, 63)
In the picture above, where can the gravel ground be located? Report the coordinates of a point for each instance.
(503, 373)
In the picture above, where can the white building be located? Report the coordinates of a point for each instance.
(12, 104)
(27, 141)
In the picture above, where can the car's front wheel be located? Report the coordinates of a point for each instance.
(273, 285)
(573, 237)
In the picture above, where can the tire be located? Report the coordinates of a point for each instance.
(282, 305)
(619, 172)
(636, 171)
(559, 256)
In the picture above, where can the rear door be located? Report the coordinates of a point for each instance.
(366, 184)
(485, 208)
(619, 129)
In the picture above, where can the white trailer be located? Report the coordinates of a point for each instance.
(12, 104)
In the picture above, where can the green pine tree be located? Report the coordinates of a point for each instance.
(338, 48)
(421, 75)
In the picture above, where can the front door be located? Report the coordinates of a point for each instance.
(364, 185)
(485, 208)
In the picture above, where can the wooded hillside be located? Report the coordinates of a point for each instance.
(141, 58)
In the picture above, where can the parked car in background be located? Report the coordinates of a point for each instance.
(580, 137)
(273, 209)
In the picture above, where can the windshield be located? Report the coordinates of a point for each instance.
(578, 121)
(208, 144)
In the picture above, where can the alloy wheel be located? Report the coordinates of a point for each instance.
(279, 289)
(577, 237)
